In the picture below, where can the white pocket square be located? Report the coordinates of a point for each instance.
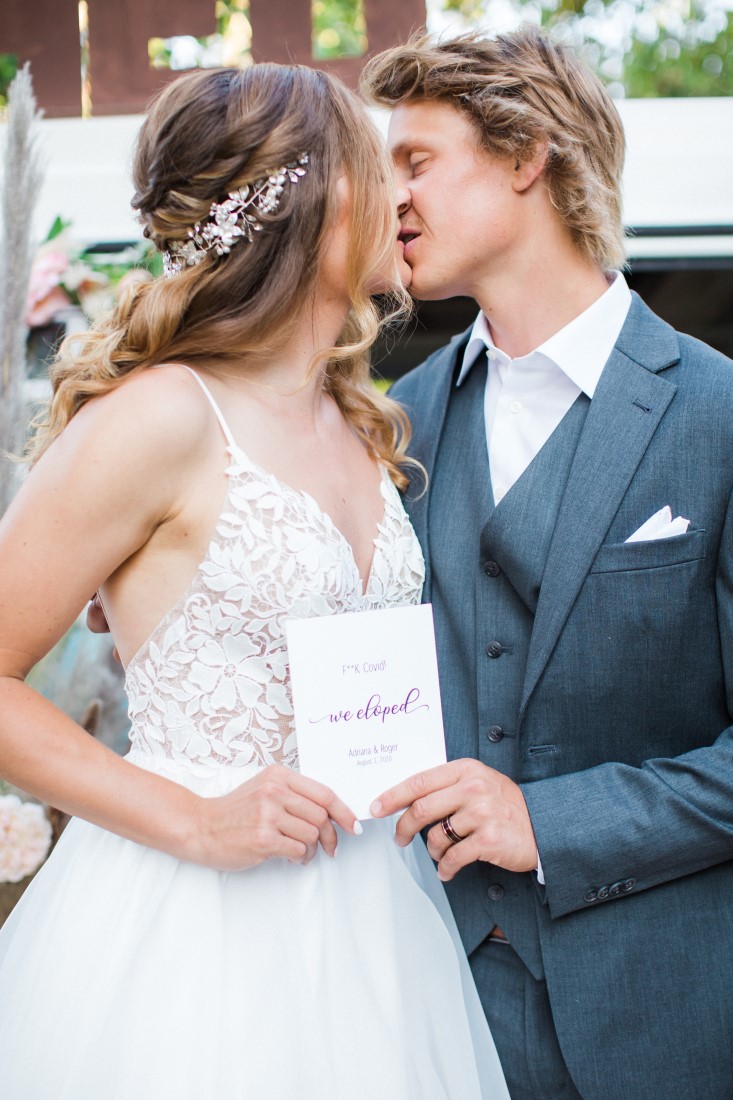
(660, 526)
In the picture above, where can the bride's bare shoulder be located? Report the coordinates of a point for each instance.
(158, 411)
(164, 394)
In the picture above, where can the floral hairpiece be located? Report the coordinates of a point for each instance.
(236, 218)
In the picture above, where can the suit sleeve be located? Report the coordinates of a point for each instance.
(614, 829)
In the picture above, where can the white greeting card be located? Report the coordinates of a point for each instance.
(367, 699)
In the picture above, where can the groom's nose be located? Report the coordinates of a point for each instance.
(404, 199)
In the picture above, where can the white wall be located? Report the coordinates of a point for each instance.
(679, 171)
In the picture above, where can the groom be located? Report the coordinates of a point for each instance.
(578, 531)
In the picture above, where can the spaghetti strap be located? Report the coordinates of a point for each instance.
(217, 411)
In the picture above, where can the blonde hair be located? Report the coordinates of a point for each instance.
(519, 90)
(206, 134)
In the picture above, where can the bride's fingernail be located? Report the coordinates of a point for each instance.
(358, 830)
(375, 808)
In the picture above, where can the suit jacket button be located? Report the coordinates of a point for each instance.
(616, 889)
(496, 892)
(603, 893)
(591, 896)
(494, 649)
(628, 885)
(495, 734)
(492, 569)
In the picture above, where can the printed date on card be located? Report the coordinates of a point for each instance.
(367, 699)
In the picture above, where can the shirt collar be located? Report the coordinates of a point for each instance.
(580, 349)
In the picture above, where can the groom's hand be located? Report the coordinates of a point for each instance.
(485, 808)
(97, 620)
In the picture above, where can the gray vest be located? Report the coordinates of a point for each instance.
(485, 587)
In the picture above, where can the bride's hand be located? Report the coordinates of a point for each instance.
(276, 814)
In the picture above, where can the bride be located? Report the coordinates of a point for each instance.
(215, 461)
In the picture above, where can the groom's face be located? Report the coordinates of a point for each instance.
(457, 203)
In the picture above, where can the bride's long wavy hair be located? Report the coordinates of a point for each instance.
(206, 134)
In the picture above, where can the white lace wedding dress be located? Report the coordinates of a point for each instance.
(126, 974)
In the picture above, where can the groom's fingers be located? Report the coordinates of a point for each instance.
(457, 856)
(417, 789)
(426, 811)
(438, 842)
(489, 808)
(430, 796)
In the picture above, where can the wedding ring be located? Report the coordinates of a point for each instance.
(449, 831)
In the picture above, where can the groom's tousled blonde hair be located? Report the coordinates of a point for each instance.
(520, 90)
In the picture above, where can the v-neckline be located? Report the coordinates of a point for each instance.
(304, 495)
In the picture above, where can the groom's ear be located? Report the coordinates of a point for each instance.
(528, 170)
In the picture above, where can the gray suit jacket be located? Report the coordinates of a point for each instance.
(630, 677)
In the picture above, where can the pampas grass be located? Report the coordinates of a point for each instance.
(23, 176)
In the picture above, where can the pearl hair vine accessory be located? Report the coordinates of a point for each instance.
(236, 218)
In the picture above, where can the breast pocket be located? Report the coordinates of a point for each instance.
(619, 557)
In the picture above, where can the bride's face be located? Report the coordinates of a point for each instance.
(390, 267)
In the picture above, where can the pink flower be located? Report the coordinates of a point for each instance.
(44, 310)
(45, 295)
(25, 838)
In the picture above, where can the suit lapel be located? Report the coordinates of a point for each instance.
(628, 404)
(427, 411)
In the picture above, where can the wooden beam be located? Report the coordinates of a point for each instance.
(46, 33)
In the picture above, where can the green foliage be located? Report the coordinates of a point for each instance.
(637, 47)
(671, 66)
(473, 11)
(229, 45)
(58, 227)
(8, 69)
(339, 28)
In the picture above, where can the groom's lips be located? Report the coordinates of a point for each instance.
(406, 236)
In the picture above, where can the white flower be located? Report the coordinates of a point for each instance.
(229, 672)
(25, 838)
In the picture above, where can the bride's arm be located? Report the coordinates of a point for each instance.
(117, 472)
(93, 499)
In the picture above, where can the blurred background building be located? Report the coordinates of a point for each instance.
(95, 64)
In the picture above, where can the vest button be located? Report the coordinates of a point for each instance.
(495, 734)
(492, 569)
(496, 892)
(494, 649)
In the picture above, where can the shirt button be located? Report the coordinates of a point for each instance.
(496, 892)
(494, 649)
(492, 569)
(495, 734)
(515, 407)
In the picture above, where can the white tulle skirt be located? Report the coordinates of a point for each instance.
(126, 974)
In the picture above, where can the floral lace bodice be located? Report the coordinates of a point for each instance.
(210, 687)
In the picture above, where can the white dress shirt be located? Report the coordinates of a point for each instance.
(526, 398)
